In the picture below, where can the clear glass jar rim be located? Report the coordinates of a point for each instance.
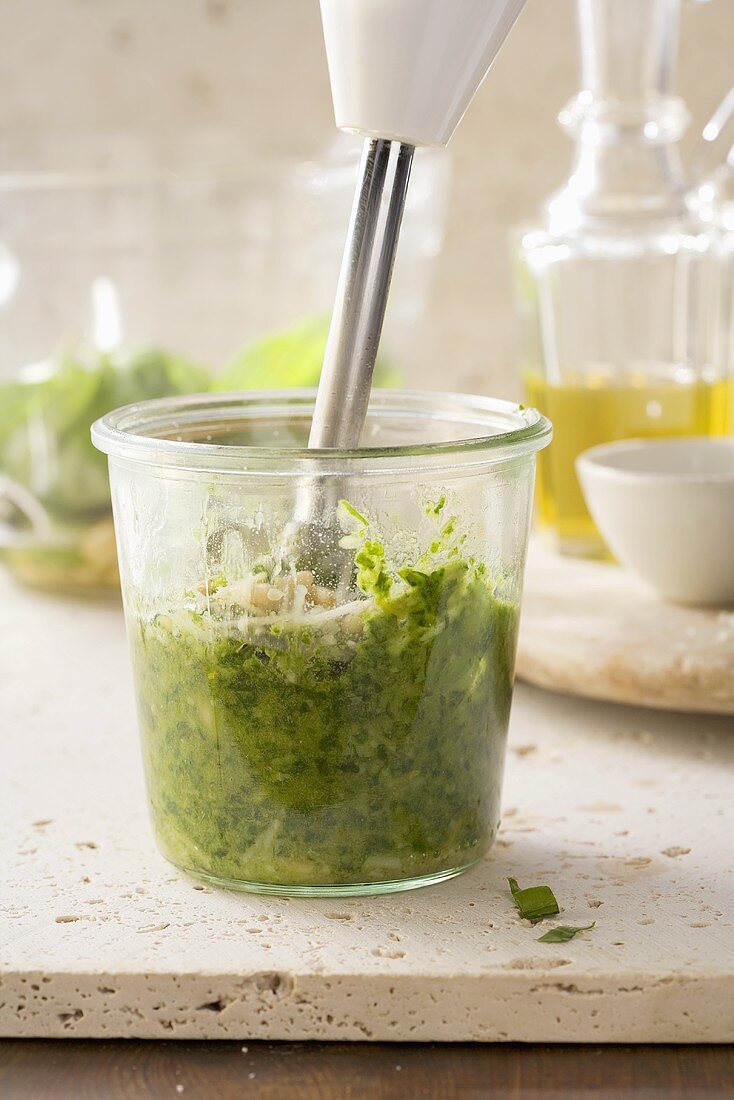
(134, 432)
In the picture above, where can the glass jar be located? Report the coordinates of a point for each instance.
(616, 283)
(136, 273)
(323, 704)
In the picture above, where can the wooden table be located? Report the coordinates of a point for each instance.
(72, 1070)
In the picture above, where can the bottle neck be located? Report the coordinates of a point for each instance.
(629, 48)
(626, 120)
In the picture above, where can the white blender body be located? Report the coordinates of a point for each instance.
(406, 70)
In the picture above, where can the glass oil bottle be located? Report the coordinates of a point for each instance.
(615, 285)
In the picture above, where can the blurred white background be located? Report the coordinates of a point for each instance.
(257, 66)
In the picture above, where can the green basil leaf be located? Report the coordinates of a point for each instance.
(563, 933)
(535, 902)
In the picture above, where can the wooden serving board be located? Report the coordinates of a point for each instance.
(592, 629)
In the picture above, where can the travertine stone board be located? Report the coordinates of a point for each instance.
(626, 813)
(591, 628)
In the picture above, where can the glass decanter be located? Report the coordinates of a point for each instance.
(712, 201)
(616, 283)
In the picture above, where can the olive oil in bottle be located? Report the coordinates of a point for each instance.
(596, 407)
(618, 279)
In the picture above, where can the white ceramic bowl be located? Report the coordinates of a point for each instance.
(666, 510)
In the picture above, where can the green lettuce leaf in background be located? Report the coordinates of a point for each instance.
(46, 416)
(289, 360)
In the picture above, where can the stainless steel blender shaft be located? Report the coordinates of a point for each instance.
(351, 350)
(361, 297)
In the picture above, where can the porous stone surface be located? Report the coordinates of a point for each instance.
(591, 628)
(625, 813)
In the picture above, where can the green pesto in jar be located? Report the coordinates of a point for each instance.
(350, 745)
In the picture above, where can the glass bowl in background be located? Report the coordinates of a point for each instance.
(323, 714)
(140, 272)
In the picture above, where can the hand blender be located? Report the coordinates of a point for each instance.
(402, 74)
